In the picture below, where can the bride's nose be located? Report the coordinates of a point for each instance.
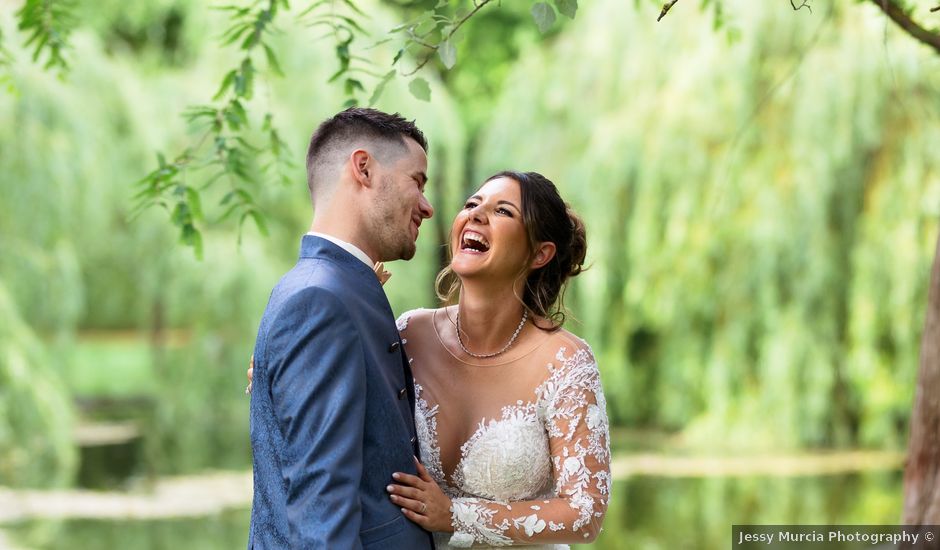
(477, 214)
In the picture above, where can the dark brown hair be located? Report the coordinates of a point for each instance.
(547, 218)
(357, 123)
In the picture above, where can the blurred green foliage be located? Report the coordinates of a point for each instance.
(761, 214)
(35, 414)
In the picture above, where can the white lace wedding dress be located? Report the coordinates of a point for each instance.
(535, 472)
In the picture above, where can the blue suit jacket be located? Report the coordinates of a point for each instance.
(332, 411)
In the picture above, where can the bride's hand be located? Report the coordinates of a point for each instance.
(251, 369)
(421, 500)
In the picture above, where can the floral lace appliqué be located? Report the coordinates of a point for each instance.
(508, 460)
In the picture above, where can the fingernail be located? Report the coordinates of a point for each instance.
(396, 475)
(389, 488)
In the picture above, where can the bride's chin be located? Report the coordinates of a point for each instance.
(465, 267)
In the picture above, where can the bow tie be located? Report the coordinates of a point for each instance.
(379, 269)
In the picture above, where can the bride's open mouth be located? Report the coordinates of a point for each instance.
(472, 242)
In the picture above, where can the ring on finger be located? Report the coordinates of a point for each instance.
(424, 507)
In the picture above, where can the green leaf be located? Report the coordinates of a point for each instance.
(426, 25)
(226, 83)
(380, 87)
(355, 8)
(258, 218)
(448, 53)
(398, 55)
(379, 43)
(312, 7)
(272, 60)
(244, 79)
(239, 112)
(351, 85)
(352, 23)
(420, 89)
(180, 214)
(544, 16)
(195, 203)
(235, 33)
(567, 8)
(192, 237)
(234, 123)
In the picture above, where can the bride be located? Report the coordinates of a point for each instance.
(510, 413)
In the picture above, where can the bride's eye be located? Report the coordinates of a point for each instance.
(504, 212)
(468, 205)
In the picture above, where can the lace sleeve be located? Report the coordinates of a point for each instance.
(402, 322)
(575, 418)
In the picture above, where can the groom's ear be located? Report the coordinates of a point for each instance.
(362, 164)
(543, 254)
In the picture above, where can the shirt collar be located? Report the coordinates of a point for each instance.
(351, 248)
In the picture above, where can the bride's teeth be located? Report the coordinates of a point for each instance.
(477, 238)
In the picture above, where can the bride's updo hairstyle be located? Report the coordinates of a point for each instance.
(547, 218)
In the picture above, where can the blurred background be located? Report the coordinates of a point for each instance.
(761, 189)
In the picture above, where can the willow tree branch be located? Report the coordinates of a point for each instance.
(805, 4)
(434, 47)
(911, 27)
(666, 7)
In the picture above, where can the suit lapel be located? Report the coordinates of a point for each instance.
(367, 283)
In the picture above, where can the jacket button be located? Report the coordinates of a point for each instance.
(393, 347)
(402, 393)
(413, 439)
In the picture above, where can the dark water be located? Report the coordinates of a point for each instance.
(646, 513)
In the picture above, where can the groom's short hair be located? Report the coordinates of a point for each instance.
(336, 138)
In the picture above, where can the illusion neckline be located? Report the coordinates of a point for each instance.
(450, 352)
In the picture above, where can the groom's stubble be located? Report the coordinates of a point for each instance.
(393, 241)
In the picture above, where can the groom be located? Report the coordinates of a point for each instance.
(332, 400)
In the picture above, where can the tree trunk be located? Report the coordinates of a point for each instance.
(922, 473)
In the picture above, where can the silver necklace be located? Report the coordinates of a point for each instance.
(525, 315)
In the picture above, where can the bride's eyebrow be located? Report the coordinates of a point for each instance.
(509, 203)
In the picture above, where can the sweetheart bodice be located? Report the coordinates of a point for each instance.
(534, 472)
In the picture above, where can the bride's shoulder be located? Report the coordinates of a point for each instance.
(562, 338)
(569, 349)
(414, 316)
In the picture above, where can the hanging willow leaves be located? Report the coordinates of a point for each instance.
(224, 146)
(227, 145)
(48, 24)
(739, 287)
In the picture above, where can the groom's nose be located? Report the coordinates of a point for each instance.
(425, 208)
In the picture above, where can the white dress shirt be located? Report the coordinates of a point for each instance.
(351, 248)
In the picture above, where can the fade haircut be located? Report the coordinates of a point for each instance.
(331, 142)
